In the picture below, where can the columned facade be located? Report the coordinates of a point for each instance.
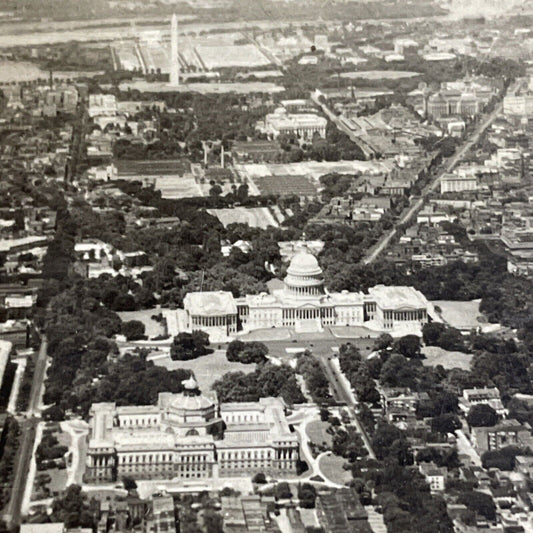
(305, 304)
(176, 439)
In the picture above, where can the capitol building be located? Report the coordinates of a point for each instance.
(304, 303)
(188, 435)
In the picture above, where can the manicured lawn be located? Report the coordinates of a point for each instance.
(207, 369)
(316, 431)
(331, 468)
(461, 315)
(437, 356)
(153, 328)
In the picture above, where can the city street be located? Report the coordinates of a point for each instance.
(28, 430)
(418, 203)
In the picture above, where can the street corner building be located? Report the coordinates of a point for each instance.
(305, 304)
(189, 435)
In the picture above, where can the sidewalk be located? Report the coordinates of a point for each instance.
(78, 430)
(12, 405)
(28, 487)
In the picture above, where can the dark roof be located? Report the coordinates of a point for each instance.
(134, 167)
(286, 185)
(342, 512)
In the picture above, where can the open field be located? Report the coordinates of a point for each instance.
(316, 431)
(127, 56)
(246, 55)
(255, 217)
(19, 71)
(379, 74)
(175, 187)
(204, 87)
(207, 369)
(437, 356)
(153, 328)
(268, 334)
(461, 315)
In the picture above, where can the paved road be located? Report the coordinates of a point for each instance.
(342, 393)
(323, 350)
(448, 167)
(28, 429)
(465, 448)
(367, 150)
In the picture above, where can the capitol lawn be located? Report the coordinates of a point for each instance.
(331, 467)
(316, 431)
(207, 369)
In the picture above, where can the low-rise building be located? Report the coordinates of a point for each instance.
(435, 476)
(505, 433)
(16, 332)
(247, 514)
(486, 396)
(400, 403)
(340, 511)
(518, 105)
(162, 518)
(102, 105)
(455, 182)
(301, 125)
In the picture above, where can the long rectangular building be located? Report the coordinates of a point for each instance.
(305, 304)
(188, 435)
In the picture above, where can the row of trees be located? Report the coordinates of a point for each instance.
(316, 382)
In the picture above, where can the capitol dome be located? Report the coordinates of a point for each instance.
(304, 264)
(184, 403)
(304, 275)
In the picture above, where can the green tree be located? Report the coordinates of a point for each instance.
(408, 346)
(503, 459)
(246, 352)
(446, 423)
(133, 330)
(481, 415)
(282, 491)
(129, 483)
(306, 495)
(480, 503)
(186, 346)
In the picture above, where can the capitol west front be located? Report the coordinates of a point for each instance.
(306, 305)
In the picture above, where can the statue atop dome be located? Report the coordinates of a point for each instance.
(190, 386)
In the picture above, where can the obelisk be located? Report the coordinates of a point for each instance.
(174, 57)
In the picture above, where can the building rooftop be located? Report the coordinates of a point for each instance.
(7, 244)
(398, 298)
(55, 527)
(213, 303)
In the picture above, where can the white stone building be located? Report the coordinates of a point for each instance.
(301, 125)
(102, 105)
(306, 305)
(180, 438)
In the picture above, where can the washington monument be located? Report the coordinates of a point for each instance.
(174, 58)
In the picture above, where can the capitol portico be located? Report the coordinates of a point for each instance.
(305, 304)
